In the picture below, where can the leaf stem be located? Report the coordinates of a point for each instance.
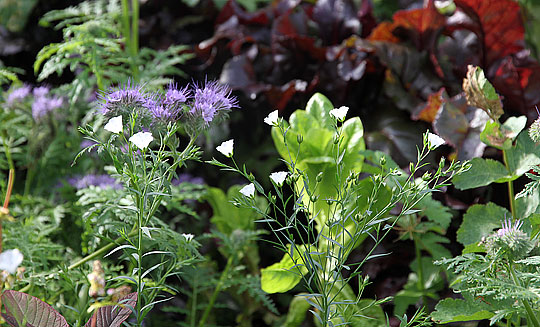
(216, 291)
(525, 303)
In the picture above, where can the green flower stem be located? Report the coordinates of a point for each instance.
(101, 251)
(224, 275)
(510, 185)
(525, 303)
(420, 283)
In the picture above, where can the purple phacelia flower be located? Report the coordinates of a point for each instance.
(176, 96)
(18, 94)
(102, 180)
(43, 105)
(122, 100)
(509, 228)
(40, 91)
(211, 99)
(187, 178)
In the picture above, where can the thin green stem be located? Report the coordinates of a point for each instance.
(135, 35)
(420, 282)
(510, 185)
(222, 278)
(532, 317)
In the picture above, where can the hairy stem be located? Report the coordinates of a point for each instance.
(532, 317)
(510, 185)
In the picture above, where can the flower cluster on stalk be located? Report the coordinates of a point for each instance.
(43, 102)
(194, 105)
(509, 241)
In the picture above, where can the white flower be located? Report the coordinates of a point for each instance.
(272, 118)
(141, 139)
(434, 141)
(339, 113)
(248, 190)
(278, 177)
(188, 237)
(10, 260)
(114, 125)
(226, 148)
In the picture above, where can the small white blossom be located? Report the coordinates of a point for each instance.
(339, 113)
(10, 260)
(114, 125)
(278, 177)
(226, 148)
(434, 141)
(188, 237)
(272, 118)
(141, 139)
(248, 190)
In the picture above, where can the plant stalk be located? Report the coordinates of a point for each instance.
(216, 291)
(510, 186)
(525, 303)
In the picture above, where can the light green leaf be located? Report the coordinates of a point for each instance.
(479, 221)
(297, 312)
(483, 172)
(523, 155)
(457, 310)
(284, 275)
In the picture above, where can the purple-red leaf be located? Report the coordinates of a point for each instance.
(113, 315)
(21, 307)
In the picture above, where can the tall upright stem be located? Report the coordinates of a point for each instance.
(532, 317)
(510, 186)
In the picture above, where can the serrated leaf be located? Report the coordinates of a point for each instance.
(523, 155)
(479, 221)
(21, 307)
(113, 315)
(457, 310)
(483, 172)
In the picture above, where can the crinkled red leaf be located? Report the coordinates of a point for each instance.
(113, 315)
(23, 307)
(429, 111)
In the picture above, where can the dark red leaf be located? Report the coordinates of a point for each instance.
(429, 111)
(497, 23)
(113, 315)
(23, 307)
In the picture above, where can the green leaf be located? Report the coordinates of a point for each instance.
(457, 310)
(523, 155)
(283, 276)
(492, 136)
(479, 221)
(297, 312)
(483, 172)
(513, 126)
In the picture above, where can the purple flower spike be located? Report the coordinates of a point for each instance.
(18, 94)
(212, 99)
(175, 96)
(509, 228)
(115, 101)
(41, 91)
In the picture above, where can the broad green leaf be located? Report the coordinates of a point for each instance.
(317, 151)
(493, 136)
(483, 172)
(113, 315)
(527, 205)
(21, 307)
(284, 275)
(513, 126)
(297, 312)
(523, 155)
(457, 310)
(226, 216)
(479, 221)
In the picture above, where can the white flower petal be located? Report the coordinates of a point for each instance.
(141, 139)
(10, 260)
(248, 190)
(434, 141)
(188, 237)
(279, 177)
(272, 118)
(226, 148)
(114, 125)
(339, 113)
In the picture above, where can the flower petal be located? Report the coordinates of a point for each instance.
(279, 177)
(248, 190)
(226, 148)
(141, 139)
(114, 125)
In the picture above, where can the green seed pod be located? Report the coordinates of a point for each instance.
(426, 177)
(382, 161)
(319, 177)
(314, 198)
(299, 138)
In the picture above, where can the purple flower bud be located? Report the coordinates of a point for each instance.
(43, 105)
(103, 181)
(122, 100)
(41, 91)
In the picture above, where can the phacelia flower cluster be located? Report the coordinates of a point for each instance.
(195, 104)
(509, 241)
(43, 102)
(100, 180)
